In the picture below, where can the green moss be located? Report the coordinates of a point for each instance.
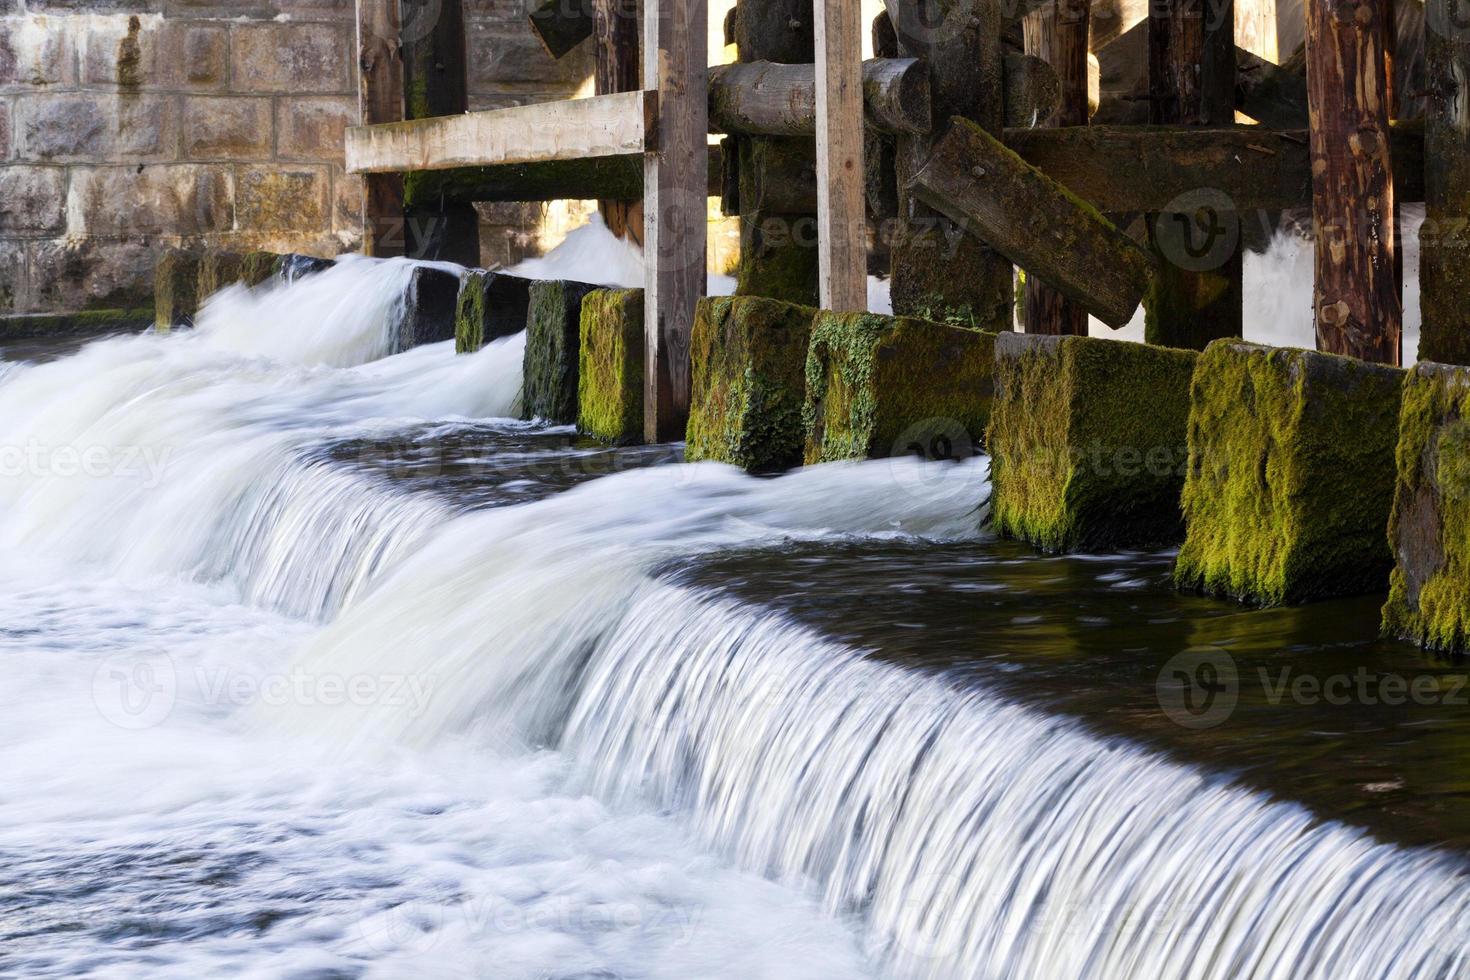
(85, 323)
(491, 305)
(749, 386)
(1429, 531)
(610, 373)
(615, 178)
(175, 289)
(552, 359)
(881, 386)
(1290, 476)
(257, 267)
(776, 266)
(1087, 442)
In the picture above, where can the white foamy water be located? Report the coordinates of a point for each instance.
(269, 715)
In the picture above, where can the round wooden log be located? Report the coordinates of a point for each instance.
(762, 98)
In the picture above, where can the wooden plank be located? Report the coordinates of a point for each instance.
(1198, 294)
(842, 250)
(1060, 37)
(605, 178)
(1444, 239)
(1357, 300)
(380, 100)
(1033, 90)
(1034, 222)
(577, 129)
(1272, 95)
(561, 25)
(763, 98)
(619, 69)
(675, 204)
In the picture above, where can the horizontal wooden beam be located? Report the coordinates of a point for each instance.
(576, 129)
(761, 98)
(617, 178)
(973, 179)
(561, 25)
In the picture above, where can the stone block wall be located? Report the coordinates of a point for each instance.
(131, 125)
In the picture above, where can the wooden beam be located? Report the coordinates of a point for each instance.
(675, 235)
(619, 69)
(842, 248)
(1060, 37)
(1444, 239)
(605, 178)
(561, 25)
(577, 129)
(1034, 222)
(1357, 300)
(762, 98)
(1033, 90)
(1272, 95)
(380, 100)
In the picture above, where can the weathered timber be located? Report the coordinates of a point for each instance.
(435, 84)
(763, 98)
(1272, 95)
(1034, 222)
(1197, 294)
(940, 273)
(880, 168)
(380, 100)
(1059, 36)
(1444, 238)
(1357, 301)
(1128, 169)
(778, 255)
(619, 69)
(574, 129)
(1033, 89)
(842, 247)
(561, 25)
(1291, 474)
(675, 207)
(607, 178)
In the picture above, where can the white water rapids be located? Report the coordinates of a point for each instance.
(267, 714)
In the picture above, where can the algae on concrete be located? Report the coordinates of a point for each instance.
(879, 386)
(218, 269)
(749, 382)
(1291, 474)
(610, 374)
(175, 289)
(491, 305)
(1088, 442)
(1429, 530)
(429, 301)
(553, 339)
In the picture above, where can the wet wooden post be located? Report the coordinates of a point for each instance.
(435, 84)
(778, 255)
(1357, 301)
(1444, 241)
(1197, 295)
(939, 271)
(619, 69)
(675, 206)
(1059, 37)
(841, 219)
(380, 100)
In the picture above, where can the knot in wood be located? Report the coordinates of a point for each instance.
(1334, 314)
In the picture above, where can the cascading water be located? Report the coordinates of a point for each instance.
(269, 712)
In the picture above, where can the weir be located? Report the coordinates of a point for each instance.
(600, 615)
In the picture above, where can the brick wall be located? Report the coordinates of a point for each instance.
(126, 125)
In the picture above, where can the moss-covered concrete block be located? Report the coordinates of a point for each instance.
(491, 305)
(553, 343)
(1429, 530)
(85, 323)
(1291, 474)
(749, 382)
(880, 386)
(429, 302)
(610, 374)
(175, 289)
(1087, 442)
(218, 269)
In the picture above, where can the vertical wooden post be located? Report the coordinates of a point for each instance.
(619, 69)
(380, 100)
(778, 254)
(1197, 294)
(435, 84)
(1059, 37)
(841, 218)
(675, 206)
(1357, 301)
(939, 271)
(1444, 241)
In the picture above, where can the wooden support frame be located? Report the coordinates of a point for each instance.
(841, 220)
(380, 100)
(675, 207)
